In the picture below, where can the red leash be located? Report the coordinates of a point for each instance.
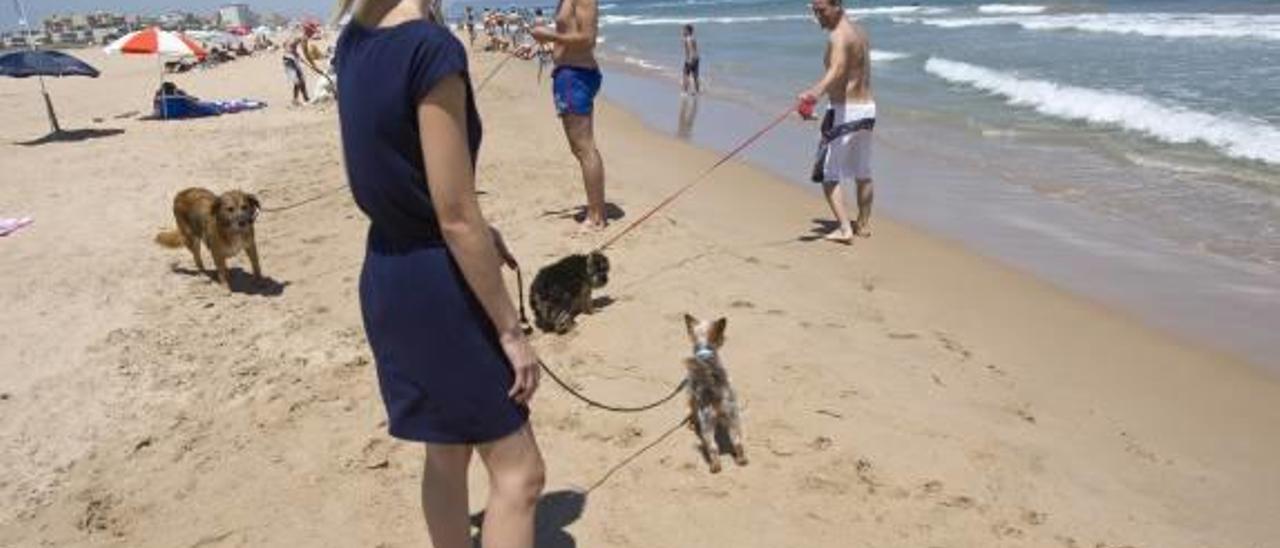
(701, 177)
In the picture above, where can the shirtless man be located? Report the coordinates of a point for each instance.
(849, 119)
(574, 84)
(298, 53)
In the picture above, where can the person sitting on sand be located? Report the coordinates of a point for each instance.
(455, 370)
(574, 84)
(846, 128)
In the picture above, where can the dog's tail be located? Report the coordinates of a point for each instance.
(170, 238)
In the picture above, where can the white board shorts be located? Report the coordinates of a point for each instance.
(849, 157)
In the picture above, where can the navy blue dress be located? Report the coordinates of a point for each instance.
(442, 373)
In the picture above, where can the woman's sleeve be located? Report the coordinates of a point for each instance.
(438, 56)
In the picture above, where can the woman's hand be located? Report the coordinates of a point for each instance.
(525, 363)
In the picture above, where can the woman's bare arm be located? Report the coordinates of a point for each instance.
(451, 183)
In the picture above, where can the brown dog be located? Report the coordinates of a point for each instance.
(224, 223)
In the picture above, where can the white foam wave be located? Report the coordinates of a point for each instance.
(880, 56)
(636, 61)
(1163, 25)
(607, 7)
(897, 10)
(726, 20)
(1240, 138)
(1011, 8)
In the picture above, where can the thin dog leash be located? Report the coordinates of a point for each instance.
(493, 72)
(700, 178)
(306, 201)
(524, 321)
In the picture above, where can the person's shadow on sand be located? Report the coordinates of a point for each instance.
(241, 281)
(556, 511)
(819, 231)
(71, 136)
(579, 213)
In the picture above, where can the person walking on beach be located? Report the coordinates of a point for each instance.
(845, 149)
(471, 26)
(299, 52)
(574, 84)
(454, 368)
(690, 62)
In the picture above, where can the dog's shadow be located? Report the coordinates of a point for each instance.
(612, 212)
(555, 512)
(241, 281)
(818, 232)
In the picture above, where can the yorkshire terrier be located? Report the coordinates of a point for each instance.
(562, 290)
(712, 402)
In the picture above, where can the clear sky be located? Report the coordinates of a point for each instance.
(38, 9)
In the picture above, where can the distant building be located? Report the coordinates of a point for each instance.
(237, 15)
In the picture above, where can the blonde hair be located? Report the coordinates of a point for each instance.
(360, 9)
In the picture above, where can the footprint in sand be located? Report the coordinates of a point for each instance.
(953, 345)
(1034, 518)
(742, 304)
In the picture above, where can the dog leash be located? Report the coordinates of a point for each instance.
(700, 178)
(306, 201)
(524, 322)
(494, 72)
(608, 407)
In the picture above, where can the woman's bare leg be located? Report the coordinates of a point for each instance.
(516, 477)
(444, 495)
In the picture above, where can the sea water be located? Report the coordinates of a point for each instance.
(1129, 149)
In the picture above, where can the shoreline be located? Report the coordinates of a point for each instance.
(901, 392)
(1210, 301)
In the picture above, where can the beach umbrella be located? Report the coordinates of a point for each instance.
(153, 41)
(161, 43)
(41, 63)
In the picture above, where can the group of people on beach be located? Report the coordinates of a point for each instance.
(455, 369)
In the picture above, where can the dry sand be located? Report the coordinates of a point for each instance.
(900, 392)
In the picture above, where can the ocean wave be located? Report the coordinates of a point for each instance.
(642, 63)
(607, 7)
(1239, 138)
(1163, 25)
(725, 20)
(898, 10)
(880, 56)
(1011, 8)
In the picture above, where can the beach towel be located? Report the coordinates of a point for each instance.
(9, 226)
(237, 105)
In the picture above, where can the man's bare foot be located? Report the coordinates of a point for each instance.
(862, 230)
(839, 236)
(587, 225)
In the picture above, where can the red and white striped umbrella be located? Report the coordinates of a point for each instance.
(153, 41)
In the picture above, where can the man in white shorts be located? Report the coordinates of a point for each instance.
(844, 152)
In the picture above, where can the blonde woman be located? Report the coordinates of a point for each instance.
(454, 368)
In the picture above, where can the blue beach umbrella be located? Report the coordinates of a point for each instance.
(41, 63)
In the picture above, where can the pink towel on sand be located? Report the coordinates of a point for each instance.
(9, 226)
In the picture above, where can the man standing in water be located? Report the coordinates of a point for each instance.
(574, 84)
(691, 61)
(845, 149)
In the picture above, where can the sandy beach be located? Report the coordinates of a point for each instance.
(900, 392)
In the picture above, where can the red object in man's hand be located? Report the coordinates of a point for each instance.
(806, 107)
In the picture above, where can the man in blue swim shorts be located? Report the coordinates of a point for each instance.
(574, 84)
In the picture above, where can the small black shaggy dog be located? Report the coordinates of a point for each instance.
(562, 290)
